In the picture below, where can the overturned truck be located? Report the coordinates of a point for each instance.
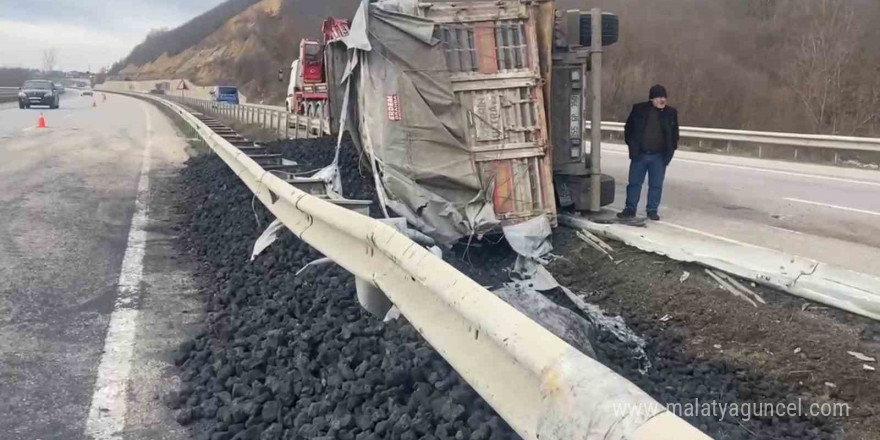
(455, 107)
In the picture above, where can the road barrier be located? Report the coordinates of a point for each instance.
(761, 140)
(541, 386)
(8, 94)
(280, 122)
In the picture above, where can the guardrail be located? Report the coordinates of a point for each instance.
(727, 139)
(541, 386)
(284, 124)
(8, 94)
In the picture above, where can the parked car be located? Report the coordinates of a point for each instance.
(38, 92)
(225, 94)
(87, 92)
(60, 88)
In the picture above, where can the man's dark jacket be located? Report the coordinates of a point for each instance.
(635, 130)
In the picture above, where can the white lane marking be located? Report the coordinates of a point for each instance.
(67, 115)
(109, 406)
(29, 128)
(710, 235)
(764, 170)
(826, 205)
(789, 231)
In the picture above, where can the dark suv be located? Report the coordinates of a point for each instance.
(38, 92)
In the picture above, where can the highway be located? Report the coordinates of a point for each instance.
(830, 214)
(67, 262)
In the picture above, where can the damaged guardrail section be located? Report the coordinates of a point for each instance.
(540, 385)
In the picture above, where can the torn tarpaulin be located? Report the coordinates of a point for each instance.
(564, 323)
(531, 241)
(267, 238)
(427, 171)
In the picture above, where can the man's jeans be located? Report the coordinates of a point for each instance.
(654, 165)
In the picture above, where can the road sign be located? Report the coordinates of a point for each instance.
(182, 85)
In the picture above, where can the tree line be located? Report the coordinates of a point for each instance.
(807, 66)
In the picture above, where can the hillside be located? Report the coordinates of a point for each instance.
(784, 65)
(246, 50)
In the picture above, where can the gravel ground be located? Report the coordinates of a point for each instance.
(296, 357)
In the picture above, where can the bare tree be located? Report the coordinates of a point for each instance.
(821, 56)
(49, 59)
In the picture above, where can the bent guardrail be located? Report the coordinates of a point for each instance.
(541, 386)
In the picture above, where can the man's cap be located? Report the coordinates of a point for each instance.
(658, 91)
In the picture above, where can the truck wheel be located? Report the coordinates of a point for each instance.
(21, 105)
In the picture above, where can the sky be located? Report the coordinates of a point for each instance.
(85, 33)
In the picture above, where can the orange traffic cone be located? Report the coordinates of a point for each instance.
(41, 123)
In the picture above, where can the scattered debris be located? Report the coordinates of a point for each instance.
(861, 356)
(595, 242)
(684, 276)
(830, 385)
(717, 346)
(868, 367)
(797, 350)
(615, 325)
(742, 288)
(318, 262)
(730, 288)
(665, 318)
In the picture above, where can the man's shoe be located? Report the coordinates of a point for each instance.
(626, 213)
(653, 216)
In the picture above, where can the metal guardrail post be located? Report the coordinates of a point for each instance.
(286, 125)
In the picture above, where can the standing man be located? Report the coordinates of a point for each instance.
(652, 137)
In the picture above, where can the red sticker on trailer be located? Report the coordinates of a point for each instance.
(392, 103)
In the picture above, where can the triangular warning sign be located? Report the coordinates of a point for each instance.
(182, 85)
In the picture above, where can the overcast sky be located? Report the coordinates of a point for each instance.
(85, 33)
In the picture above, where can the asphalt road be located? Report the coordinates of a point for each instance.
(65, 220)
(830, 214)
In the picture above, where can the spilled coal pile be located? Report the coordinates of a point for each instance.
(295, 357)
(286, 356)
